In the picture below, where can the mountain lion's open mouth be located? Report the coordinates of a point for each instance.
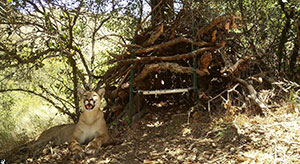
(89, 105)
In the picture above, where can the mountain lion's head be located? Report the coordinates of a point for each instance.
(90, 100)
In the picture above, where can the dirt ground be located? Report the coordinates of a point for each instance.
(173, 136)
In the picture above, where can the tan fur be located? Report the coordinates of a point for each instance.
(91, 125)
(58, 134)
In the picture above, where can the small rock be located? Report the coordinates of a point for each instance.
(213, 145)
(195, 150)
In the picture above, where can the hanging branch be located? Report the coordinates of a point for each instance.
(61, 100)
(12, 55)
(67, 112)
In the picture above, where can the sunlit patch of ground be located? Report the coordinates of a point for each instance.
(275, 138)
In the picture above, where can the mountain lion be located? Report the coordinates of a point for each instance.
(91, 127)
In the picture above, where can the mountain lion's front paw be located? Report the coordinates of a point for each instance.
(91, 151)
(75, 146)
(76, 150)
(93, 147)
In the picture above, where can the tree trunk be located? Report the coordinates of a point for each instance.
(72, 62)
(293, 59)
(283, 40)
(284, 36)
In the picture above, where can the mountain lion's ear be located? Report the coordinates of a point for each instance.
(80, 91)
(101, 92)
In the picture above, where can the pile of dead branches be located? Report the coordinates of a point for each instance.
(163, 57)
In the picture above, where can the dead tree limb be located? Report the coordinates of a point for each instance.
(214, 23)
(252, 94)
(168, 58)
(171, 43)
(155, 35)
(234, 67)
(173, 67)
